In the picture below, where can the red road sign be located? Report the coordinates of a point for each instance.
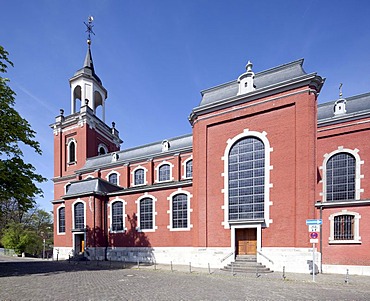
(314, 235)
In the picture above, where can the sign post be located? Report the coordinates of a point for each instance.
(314, 229)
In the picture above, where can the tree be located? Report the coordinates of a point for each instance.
(27, 236)
(18, 179)
(17, 237)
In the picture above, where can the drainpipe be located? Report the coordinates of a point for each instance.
(321, 239)
(106, 232)
(94, 229)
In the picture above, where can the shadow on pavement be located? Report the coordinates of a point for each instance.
(17, 267)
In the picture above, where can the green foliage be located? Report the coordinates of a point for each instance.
(20, 239)
(14, 128)
(27, 236)
(17, 178)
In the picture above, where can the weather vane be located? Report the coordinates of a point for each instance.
(340, 90)
(89, 29)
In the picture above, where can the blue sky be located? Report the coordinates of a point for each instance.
(154, 57)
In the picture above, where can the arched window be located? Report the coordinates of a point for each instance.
(246, 179)
(341, 177)
(180, 211)
(72, 151)
(164, 173)
(146, 214)
(113, 178)
(102, 149)
(117, 216)
(139, 176)
(79, 215)
(62, 220)
(189, 169)
(67, 187)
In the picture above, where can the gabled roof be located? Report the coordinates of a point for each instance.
(93, 186)
(177, 144)
(356, 107)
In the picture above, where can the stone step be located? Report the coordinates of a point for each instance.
(244, 258)
(247, 270)
(246, 264)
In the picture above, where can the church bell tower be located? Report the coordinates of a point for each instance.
(83, 133)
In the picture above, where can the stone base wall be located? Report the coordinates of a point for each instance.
(62, 253)
(342, 269)
(197, 257)
(293, 260)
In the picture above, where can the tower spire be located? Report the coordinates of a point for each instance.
(85, 84)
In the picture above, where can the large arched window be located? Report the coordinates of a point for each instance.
(180, 211)
(146, 214)
(341, 177)
(79, 215)
(62, 220)
(246, 179)
(117, 216)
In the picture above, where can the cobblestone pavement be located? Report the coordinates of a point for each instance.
(32, 279)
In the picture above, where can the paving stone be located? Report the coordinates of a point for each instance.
(30, 279)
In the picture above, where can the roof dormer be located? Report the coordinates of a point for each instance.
(246, 80)
(340, 104)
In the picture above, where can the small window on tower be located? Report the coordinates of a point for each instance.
(102, 149)
(71, 151)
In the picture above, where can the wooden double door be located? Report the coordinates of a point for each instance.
(246, 241)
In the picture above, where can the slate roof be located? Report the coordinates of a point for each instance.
(147, 151)
(270, 77)
(356, 106)
(88, 67)
(91, 186)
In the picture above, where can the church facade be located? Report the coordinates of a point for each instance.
(262, 158)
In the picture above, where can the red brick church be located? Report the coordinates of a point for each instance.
(262, 158)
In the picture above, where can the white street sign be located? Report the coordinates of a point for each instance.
(313, 228)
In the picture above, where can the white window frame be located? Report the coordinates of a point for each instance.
(65, 224)
(154, 200)
(157, 172)
(65, 187)
(358, 176)
(169, 212)
(124, 215)
(104, 147)
(113, 172)
(184, 167)
(229, 144)
(356, 231)
(73, 212)
(69, 162)
(133, 176)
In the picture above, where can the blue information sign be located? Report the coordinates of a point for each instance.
(313, 221)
